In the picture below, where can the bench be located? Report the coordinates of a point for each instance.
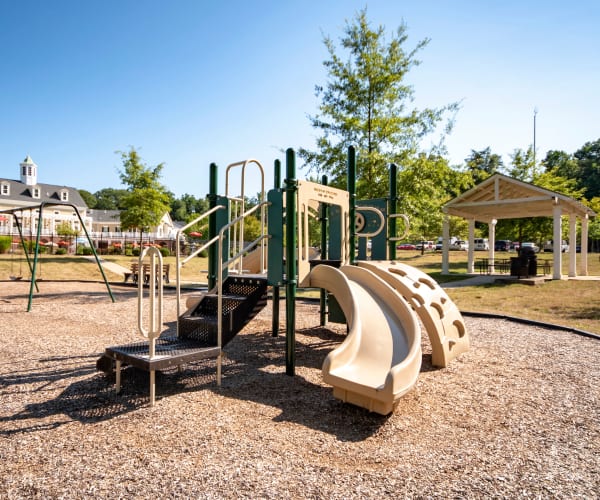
(134, 272)
(486, 265)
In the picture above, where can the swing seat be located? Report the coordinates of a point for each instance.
(16, 278)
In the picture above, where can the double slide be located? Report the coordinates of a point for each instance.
(380, 359)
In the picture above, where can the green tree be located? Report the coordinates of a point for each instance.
(424, 186)
(146, 201)
(483, 164)
(522, 165)
(588, 160)
(562, 164)
(110, 199)
(89, 198)
(367, 103)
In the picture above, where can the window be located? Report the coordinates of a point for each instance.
(5, 189)
(64, 195)
(36, 192)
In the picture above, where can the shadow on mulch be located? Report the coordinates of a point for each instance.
(253, 370)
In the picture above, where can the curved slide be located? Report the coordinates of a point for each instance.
(380, 359)
(440, 316)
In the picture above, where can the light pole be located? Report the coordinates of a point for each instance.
(535, 110)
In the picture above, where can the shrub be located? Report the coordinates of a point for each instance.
(165, 252)
(135, 251)
(5, 242)
(60, 251)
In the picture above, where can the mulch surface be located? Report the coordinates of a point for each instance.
(516, 416)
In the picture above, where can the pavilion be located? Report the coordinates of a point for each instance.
(503, 197)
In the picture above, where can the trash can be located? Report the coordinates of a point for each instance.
(530, 260)
(525, 264)
(518, 267)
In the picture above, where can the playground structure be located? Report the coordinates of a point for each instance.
(379, 299)
(33, 265)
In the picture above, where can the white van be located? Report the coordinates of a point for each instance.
(481, 244)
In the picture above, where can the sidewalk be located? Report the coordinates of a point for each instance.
(482, 279)
(487, 279)
(110, 266)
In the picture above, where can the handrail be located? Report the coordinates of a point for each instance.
(246, 248)
(242, 202)
(379, 214)
(155, 294)
(404, 217)
(179, 264)
(220, 279)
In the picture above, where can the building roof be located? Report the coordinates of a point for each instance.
(502, 197)
(21, 193)
(108, 216)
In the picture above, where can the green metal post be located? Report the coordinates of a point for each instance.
(87, 235)
(323, 293)
(291, 254)
(213, 254)
(392, 210)
(352, 193)
(29, 264)
(35, 254)
(276, 298)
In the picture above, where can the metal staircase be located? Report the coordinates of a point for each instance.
(242, 298)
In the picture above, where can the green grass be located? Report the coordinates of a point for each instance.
(570, 303)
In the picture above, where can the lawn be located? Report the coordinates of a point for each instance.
(569, 303)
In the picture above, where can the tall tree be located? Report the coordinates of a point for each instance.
(89, 198)
(367, 103)
(146, 201)
(424, 186)
(561, 163)
(482, 164)
(522, 165)
(588, 160)
(110, 199)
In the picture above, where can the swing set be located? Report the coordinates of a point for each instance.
(35, 264)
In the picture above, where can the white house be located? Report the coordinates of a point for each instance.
(27, 194)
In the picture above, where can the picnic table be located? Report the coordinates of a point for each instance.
(134, 272)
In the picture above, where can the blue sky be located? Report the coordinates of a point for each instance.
(189, 82)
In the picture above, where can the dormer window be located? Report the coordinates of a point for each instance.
(36, 192)
(64, 195)
(5, 189)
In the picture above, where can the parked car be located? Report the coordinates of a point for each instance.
(427, 245)
(406, 246)
(502, 246)
(481, 244)
(440, 242)
(529, 244)
(459, 245)
(549, 246)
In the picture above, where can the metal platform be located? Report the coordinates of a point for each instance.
(169, 352)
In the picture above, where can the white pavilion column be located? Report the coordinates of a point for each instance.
(572, 246)
(471, 250)
(445, 245)
(557, 239)
(583, 264)
(492, 243)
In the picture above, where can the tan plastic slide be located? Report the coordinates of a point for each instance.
(440, 316)
(380, 358)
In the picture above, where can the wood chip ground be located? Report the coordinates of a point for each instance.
(517, 416)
